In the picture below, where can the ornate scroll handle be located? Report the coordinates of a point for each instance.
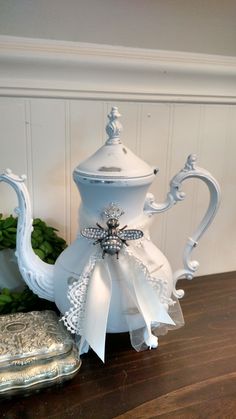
(175, 194)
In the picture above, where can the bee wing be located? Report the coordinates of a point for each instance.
(130, 234)
(93, 233)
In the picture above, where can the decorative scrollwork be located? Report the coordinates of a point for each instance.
(114, 127)
(175, 195)
(37, 274)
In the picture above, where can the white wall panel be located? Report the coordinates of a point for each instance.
(86, 135)
(13, 146)
(156, 121)
(47, 138)
(183, 141)
(226, 221)
(48, 160)
(216, 153)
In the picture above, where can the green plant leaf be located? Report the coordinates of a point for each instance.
(5, 298)
(46, 248)
(5, 291)
(39, 253)
(47, 245)
(12, 229)
(36, 221)
(9, 222)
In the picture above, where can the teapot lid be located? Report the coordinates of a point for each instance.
(113, 159)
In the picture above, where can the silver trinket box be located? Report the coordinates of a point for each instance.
(35, 351)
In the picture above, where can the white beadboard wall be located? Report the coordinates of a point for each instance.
(46, 137)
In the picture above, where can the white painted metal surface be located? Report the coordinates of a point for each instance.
(46, 139)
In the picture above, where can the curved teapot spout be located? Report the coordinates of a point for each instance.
(37, 274)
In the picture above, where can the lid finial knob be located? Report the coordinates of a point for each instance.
(114, 127)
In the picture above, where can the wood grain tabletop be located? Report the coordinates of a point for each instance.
(192, 374)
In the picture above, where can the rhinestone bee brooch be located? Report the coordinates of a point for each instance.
(111, 238)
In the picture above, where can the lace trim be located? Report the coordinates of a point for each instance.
(159, 285)
(77, 291)
(77, 295)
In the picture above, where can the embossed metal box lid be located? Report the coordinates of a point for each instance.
(35, 351)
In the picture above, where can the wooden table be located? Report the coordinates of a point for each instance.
(191, 375)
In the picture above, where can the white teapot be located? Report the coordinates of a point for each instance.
(112, 278)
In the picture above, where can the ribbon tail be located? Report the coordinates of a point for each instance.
(148, 303)
(96, 309)
(153, 311)
(148, 300)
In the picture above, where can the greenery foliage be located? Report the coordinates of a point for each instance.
(45, 242)
(47, 245)
(24, 301)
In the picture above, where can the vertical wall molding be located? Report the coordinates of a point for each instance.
(67, 172)
(168, 170)
(29, 159)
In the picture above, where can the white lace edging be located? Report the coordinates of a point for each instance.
(77, 294)
(159, 285)
(77, 291)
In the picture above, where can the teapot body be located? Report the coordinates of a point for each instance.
(72, 262)
(129, 195)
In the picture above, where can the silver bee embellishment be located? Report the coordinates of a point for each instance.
(111, 238)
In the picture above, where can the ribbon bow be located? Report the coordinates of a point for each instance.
(130, 293)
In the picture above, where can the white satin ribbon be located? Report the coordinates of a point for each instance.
(140, 293)
(97, 308)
